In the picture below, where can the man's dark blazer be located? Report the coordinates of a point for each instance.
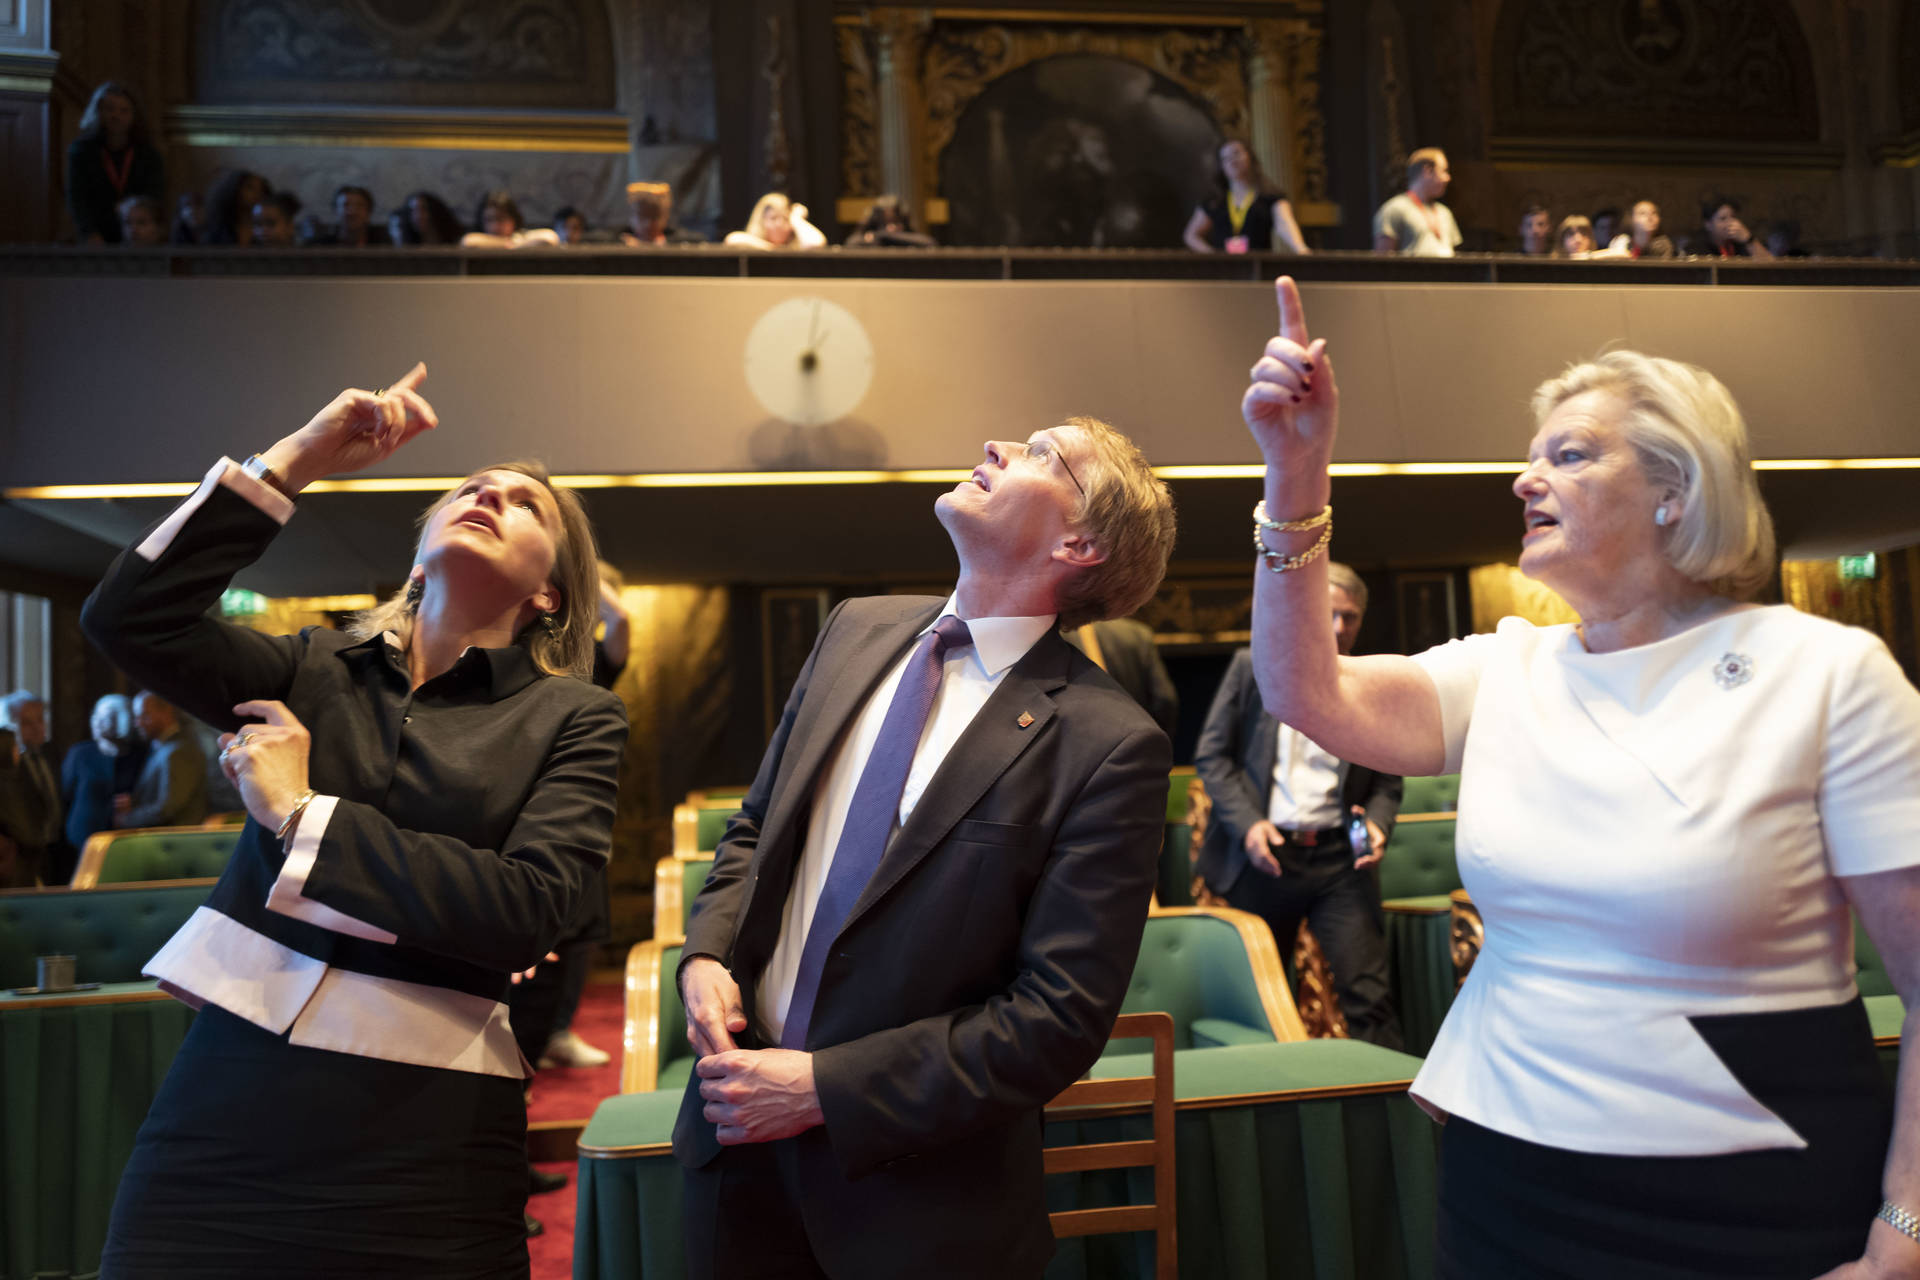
(172, 788)
(980, 971)
(1235, 758)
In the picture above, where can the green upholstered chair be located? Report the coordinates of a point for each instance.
(154, 853)
(677, 881)
(1179, 784)
(1217, 972)
(656, 1052)
(109, 932)
(1872, 976)
(1438, 794)
(698, 828)
(1420, 861)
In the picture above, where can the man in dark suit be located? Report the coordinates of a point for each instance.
(172, 789)
(1276, 842)
(921, 923)
(36, 785)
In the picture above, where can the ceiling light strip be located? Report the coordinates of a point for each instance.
(776, 479)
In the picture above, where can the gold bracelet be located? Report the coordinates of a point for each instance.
(1899, 1219)
(1290, 526)
(293, 814)
(1278, 563)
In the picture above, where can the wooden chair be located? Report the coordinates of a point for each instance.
(148, 854)
(677, 881)
(1085, 1099)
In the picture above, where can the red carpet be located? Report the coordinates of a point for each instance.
(572, 1094)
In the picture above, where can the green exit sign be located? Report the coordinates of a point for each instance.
(1854, 568)
(238, 602)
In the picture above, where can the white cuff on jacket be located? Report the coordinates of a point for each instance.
(225, 472)
(288, 895)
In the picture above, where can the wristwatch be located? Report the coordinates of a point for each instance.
(257, 467)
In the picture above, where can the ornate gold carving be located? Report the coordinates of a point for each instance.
(397, 127)
(859, 116)
(1465, 933)
(779, 148)
(1316, 999)
(961, 61)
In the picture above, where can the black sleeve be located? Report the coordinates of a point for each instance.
(89, 197)
(150, 616)
(1383, 802)
(504, 908)
(1216, 757)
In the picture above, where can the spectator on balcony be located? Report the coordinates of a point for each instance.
(112, 158)
(1642, 238)
(570, 225)
(1574, 239)
(1723, 234)
(172, 788)
(1247, 213)
(778, 223)
(888, 225)
(274, 221)
(140, 222)
(95, 771)
(353, 223)
(1606, 225)
(424, 218)
(1536, 232)
(650, 217)
(228, 215)
(502, 226)
(1415, 223)
(188, 215)
(1782, 239)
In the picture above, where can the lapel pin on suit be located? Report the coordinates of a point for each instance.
(1026, 720)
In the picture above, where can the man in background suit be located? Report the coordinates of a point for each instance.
(921, 923)
(172, 790)
(1276, 842)
(36, 785)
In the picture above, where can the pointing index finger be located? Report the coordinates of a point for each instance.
(1293, 318)
(411, 380)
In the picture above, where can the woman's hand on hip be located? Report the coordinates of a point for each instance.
(1291, 403)
(355, 431)
(267, 762)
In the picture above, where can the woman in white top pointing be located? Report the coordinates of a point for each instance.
(1660, 1065)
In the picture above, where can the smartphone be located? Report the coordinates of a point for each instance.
(1358, 836)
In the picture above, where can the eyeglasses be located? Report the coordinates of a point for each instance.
(1039, 450)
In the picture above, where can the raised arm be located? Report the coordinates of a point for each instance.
(150, 613)
(1383, 710)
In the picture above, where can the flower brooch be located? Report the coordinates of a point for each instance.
(1733, 670)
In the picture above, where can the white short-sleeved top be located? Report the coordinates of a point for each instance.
(1653, 834)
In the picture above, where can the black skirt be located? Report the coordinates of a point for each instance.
(1514, 1208)
(263, 1158)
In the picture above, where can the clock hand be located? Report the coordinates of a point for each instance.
(810, 358)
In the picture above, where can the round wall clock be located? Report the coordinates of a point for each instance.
(809, 361)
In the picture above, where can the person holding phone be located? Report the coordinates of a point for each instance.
(430, 800)
(1296, 833)
(1670, 814)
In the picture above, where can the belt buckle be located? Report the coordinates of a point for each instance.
(1304, 839)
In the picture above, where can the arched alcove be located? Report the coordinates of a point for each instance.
(1085, 150)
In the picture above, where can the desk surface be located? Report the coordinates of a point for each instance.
(106, 993)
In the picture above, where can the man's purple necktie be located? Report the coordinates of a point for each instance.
(870, 816)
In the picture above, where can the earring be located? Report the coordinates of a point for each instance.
(551, 627)
(1660, 515)
(416, 588)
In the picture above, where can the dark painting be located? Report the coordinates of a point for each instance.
(1080, 151)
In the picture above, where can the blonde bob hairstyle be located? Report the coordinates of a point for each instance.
(757, 221)
(1128, 513)
(1691, 439)
(565, 649)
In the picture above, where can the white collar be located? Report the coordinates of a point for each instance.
(998, 643)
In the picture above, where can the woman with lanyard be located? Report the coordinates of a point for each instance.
(110, 160)
(1246, 215)
(430, 798)
(1660, 1067)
